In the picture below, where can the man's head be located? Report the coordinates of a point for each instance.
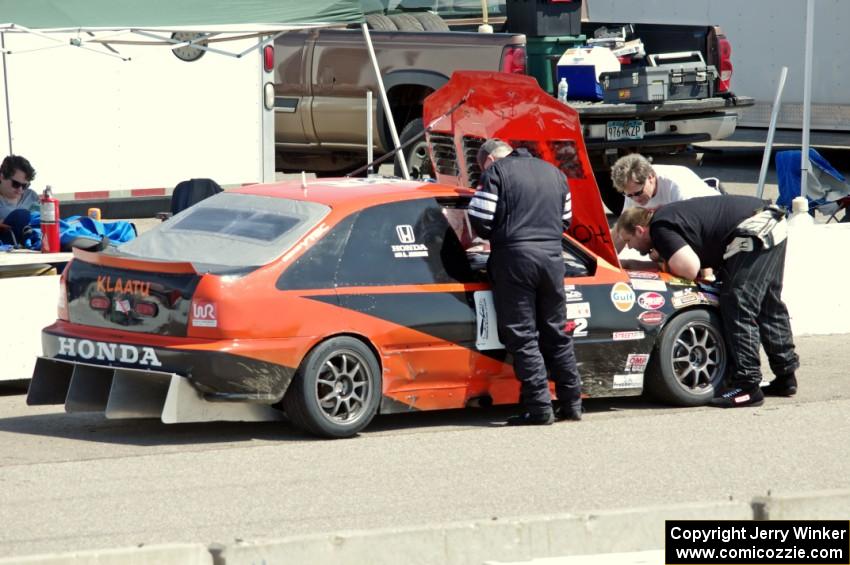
(491, 151)
(16, 173)
(633, 228)
(633, 176)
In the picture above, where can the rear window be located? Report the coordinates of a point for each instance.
(228, 232)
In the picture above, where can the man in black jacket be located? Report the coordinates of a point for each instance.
(523, 207)
(744, 242)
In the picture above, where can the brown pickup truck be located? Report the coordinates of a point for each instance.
(322, 77)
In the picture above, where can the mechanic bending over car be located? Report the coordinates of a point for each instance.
(17, 199)
(743, 240)
(523, 206)
(653, 186)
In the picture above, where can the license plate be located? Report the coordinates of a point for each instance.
(624, 129)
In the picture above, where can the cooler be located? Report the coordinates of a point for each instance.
(582, 67)
(543, 55)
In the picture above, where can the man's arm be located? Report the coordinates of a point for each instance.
(482, 207)
(684, 263)
(567, 217)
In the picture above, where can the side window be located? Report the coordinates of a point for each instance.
(409, 242)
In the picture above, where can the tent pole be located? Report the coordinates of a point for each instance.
(805, 164)
(6, 92)
(768, 146)
(387, 110)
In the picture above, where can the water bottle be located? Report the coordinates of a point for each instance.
(562, 90)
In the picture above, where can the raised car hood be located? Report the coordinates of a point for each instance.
(514, 108)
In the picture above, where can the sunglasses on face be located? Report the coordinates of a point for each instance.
(636, 194)
(19, 184)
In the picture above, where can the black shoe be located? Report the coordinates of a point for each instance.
(529, 419)
(569, 413)
(737, 397)
(781, 386)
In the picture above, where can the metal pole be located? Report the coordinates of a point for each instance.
(805, 164)
(6, 92)
(774, 116)
(387, 110)
(369, 149)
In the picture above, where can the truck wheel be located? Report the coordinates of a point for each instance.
(689, 361)
(611, 197)
(431, 22)
(380, 22)
(416, 155)
(336, 391)
(406, 22)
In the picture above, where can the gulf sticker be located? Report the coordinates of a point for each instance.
(651, 318)
(578, 310)
(648, 284)
(651, 301)
(622, 296)
(636, 362)
(627, 336)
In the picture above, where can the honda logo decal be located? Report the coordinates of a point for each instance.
(405, 233)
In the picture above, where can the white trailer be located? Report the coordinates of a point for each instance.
(101, 126)
(766, 35)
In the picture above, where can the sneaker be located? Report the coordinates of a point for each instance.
(569, 413)
(738, 397)
(529, 419)
(781, 386)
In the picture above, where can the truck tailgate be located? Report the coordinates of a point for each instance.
(590, 110)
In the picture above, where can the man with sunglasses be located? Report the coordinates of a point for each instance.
(652, 186)
(16, 174)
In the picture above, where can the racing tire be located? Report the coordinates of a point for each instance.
(416, 156)
(380, 22)
(406, 22)
(611, 197)
(431, 21)
(336, 391)
(689, 361)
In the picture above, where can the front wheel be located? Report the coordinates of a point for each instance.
(689, 361)
(336, 391)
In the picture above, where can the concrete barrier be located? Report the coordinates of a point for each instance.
(817, 271)
(652, 557)
(475, 542)
(166, 554)
(819, 505)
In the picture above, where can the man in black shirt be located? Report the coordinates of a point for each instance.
(523, 207)
(744, 242)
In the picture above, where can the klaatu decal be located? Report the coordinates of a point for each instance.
(651, 301)
(130, 286)
(631, 380)
(578, 310)
(622, 296)
(646, 284)
(651, 318)
(627, 336)
(487, 334)
(636, 362)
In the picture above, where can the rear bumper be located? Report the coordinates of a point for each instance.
(670, 132)
(210, 366)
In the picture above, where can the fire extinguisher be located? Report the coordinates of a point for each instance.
(49, 222)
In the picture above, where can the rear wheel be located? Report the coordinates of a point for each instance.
(689, 361)
(416, 154)
(337, 389)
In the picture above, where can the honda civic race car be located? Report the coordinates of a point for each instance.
(332, 301)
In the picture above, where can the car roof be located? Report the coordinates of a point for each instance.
(354, 192)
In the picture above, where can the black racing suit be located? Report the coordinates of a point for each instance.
(751, 304)
(523, 207)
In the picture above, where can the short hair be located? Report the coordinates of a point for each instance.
(634, 167)
(14, 163)
(495, 147)
(633, 217)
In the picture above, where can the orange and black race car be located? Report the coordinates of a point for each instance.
(336, 300)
